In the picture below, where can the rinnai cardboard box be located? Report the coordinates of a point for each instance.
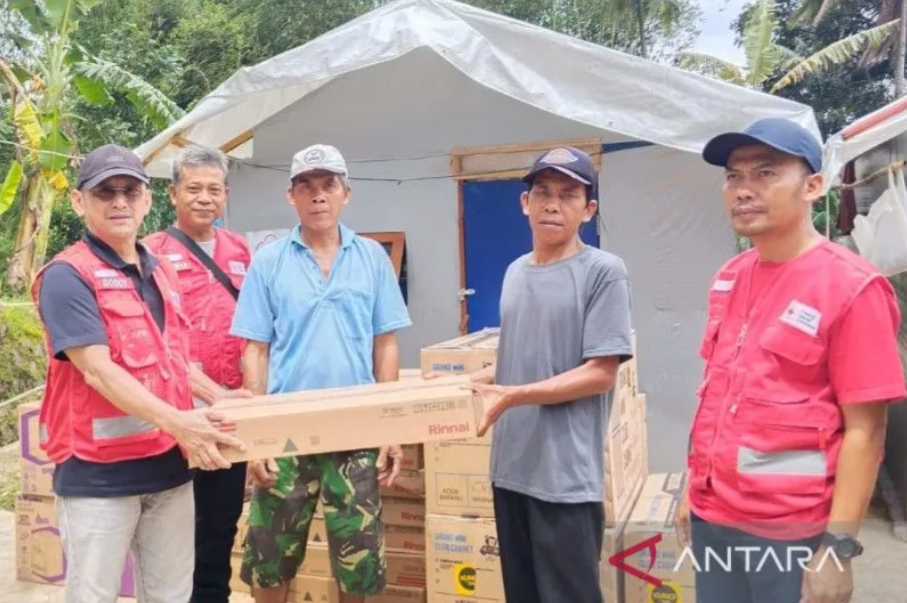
(463, 560)
(413, 457)
(398, 412)
(408, 512)
(37, 470)
(39, 551)
(463, 354)
(409, 484)
(626, 455)
(399, 594)
(653, 518)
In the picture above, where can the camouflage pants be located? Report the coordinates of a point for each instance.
(280, 518)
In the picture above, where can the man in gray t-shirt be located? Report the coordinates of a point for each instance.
(565, 328)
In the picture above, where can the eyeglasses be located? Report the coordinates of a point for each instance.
(109, 193)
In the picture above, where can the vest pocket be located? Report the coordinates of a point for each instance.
(782, 472)
(782, 455)
(710, 337)
(134, 342)
(792, 345)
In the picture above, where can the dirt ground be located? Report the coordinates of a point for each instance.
(881, 572)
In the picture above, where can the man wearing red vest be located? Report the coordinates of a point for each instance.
(117, 418)
(801, 359)
(210, 263)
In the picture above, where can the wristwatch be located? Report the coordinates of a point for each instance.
(845, 546)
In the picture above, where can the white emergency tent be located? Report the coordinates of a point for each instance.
(875, 143)
(407, 92)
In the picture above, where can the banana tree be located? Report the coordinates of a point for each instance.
(765, 58)
(894, 46)
(40, 90)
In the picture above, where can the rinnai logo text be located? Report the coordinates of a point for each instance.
(448, 428)
(740, 558)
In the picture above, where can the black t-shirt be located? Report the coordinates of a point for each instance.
(72, 318)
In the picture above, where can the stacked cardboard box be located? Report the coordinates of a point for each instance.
(462, 551)
(39, 550)
(650, 530)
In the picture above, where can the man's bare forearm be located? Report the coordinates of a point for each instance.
(203, 386)
(483, 375)
(386, 358)
(255, 367)
(119, 387)
(593, 377)
(857, 470)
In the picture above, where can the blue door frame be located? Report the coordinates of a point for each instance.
(494, 233)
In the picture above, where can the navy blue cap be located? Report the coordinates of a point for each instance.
(780, 134)
(567, 160)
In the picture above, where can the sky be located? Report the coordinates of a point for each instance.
(716, 37)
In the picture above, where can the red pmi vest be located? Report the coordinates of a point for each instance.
(75, 420)
(766, 435)
(207, 304)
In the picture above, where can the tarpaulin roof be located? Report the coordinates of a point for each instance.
(576, 80)
(863, 135)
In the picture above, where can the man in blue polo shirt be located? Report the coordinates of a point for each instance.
(319, 308)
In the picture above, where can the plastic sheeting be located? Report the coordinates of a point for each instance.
(862, 136)
(565, 76)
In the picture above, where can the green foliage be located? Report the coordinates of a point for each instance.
(22, 355)
(843, 92)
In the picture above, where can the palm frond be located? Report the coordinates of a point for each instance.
(839, 52)
(787, 58)
(150, 101)
(709, 65)
(761, 57)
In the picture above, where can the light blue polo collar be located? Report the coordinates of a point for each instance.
(346, 236)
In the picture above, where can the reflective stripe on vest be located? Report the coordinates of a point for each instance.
(787, 462)
(112, 428)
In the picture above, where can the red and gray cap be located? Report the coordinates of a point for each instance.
(318, 157)
(107, 161)
(567, 160)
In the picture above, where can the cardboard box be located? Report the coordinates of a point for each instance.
(462, 354)
(404, 539)
(399, 594)
(311, 589)
(413, 457)
(407, 512)
(463, 560)
(653, 518)
(626, 455)
(399, 412)
(409, 484)
(36, 469)
(39, 551)
(406, 569)
(456, 477)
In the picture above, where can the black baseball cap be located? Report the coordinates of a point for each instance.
(567, 160)
(780, 134)
(107, 161)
